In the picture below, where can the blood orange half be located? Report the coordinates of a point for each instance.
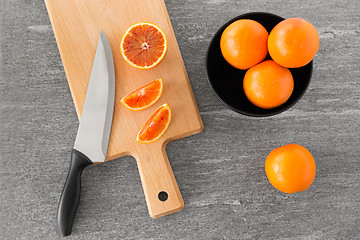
(156, 125)
(143, 45)
(143, 97)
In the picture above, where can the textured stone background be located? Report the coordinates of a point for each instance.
(220, 172)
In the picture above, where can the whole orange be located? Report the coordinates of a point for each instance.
(268, 85)
(244, 43)
(290, 168)
(293, 42)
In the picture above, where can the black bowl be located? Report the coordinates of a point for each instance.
(227, 81)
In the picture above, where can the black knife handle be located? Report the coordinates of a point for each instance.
(70, 195)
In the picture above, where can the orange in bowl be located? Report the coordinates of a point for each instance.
(268, 85)
(290, 168)
(243, 43)
(293, 42)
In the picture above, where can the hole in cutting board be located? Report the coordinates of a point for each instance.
(163, 196)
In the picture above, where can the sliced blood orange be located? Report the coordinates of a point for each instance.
(143, 45)
(144, 96)
(156, 125)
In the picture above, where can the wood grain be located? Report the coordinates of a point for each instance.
(77, 25)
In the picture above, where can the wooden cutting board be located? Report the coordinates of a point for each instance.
(77, 25)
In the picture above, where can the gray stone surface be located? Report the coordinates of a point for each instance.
(220, 172)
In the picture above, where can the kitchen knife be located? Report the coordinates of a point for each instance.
(93, 133)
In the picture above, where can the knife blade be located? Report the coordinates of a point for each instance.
(93, 134)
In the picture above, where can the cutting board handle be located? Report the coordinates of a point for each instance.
(161, 191)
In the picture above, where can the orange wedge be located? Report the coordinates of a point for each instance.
(156, 125)
(143, 97)
(143, 45)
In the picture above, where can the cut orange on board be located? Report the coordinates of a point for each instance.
(143, 45)
(156, 125)
(143, 97)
